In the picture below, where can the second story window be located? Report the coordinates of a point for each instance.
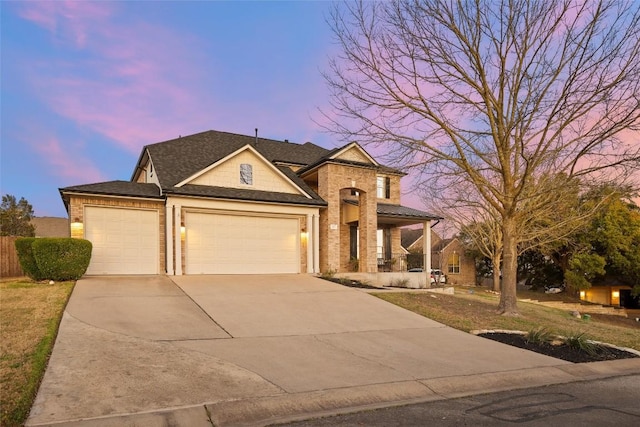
(383, 187)
(246, 174)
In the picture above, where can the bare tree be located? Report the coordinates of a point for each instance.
(496, 94)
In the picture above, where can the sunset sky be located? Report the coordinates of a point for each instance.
(85, 85)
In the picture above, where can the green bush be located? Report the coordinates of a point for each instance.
(26, 258)
(62, 258)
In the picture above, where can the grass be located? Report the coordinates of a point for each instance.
(30, 314)
(473, 309)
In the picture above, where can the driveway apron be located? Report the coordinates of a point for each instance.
(249, 349)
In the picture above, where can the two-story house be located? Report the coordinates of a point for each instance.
(222, 203)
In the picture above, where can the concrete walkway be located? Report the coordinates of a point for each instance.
(254, 350)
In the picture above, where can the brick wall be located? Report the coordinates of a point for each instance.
(334, 241)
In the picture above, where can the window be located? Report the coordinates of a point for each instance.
(453, 263)
(246, 174)
(383, 187)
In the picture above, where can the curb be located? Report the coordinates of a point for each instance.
(301, 406)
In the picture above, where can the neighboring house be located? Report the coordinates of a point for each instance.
(222, 203)
(50, 226)
(447, 255)
(614, 294)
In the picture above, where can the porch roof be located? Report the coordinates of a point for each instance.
(398, 214)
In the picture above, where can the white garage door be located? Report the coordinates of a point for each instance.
(125, 241)
(231, 244)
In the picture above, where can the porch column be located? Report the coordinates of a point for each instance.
(177, 221)
(168, 216)
(426, 250)
(311, 243)
(368, 227)
(316, 243)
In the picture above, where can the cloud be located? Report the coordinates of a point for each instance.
(68, 21)
(67, 164)
(134, 83)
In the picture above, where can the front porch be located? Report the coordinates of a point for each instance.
(389, 255)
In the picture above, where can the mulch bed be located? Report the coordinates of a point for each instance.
(562, 351)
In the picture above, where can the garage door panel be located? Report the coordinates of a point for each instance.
(125, 241)
(231, 244)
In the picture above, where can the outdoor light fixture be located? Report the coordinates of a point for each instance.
(615, 294)
(77, 228)
(582, 294)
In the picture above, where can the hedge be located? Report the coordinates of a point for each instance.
(26, 258)
(55, 258)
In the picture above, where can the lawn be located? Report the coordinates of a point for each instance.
(30, 314)
(474, 308)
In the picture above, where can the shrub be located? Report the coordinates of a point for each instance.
(539, 335)
(580, 341)
(400, 282)
(62, 258)
(26, 258)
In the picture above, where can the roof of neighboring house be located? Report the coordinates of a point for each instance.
(409, 236)
(51, 226)
(443, 244)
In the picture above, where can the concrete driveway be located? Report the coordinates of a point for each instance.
(249, 350)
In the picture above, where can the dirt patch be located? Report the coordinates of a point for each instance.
(615, 320)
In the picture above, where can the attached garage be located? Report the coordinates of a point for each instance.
(241, 244)
(125, 241)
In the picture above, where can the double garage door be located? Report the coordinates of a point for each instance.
(125, 241)
(237, 244)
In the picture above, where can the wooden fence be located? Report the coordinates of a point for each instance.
(9, 264)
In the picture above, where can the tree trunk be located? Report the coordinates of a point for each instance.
(496, 272)
(508, 301)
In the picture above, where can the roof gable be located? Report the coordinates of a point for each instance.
(226, 173)
(179, 159)
(353, 153)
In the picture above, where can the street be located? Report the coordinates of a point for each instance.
(606, 402)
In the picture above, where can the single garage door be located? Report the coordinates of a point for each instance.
(125, 241)
(237, 244)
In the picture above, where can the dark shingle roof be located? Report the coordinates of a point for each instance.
(178, 159)
(117, 188)
(244, 194)
(409, 236)
(399, 211)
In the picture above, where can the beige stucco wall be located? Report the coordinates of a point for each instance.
(265, 176)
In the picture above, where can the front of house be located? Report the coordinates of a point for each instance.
(222, 203)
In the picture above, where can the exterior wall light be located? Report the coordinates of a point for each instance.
(77, 229)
